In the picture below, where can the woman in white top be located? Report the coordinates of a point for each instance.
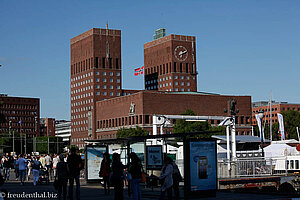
(166, 179)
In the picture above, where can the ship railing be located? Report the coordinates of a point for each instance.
(254, 167)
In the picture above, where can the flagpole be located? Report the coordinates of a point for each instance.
(21, 137)
(271, 136)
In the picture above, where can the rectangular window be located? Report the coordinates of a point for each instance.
(180, 67)
(109, 63)
(103, 62)
(174, 69)
(186, 67)
(117, 63)
(96, 62)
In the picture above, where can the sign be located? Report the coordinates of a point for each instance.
(202, 166)
(94, 156)
(154, 157)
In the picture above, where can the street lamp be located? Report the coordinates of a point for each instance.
(261, 116)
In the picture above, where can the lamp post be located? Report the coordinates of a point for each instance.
(261, 116)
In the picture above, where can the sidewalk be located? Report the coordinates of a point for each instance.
(95, 192)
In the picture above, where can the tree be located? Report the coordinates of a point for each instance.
(183, 126)
(128, 132)
(291, 120)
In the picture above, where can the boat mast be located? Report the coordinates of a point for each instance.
(271, 117)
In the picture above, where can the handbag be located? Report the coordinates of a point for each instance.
(143, 177)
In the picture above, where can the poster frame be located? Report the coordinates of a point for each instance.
(86, 162)
(187, 180)
(154, 167)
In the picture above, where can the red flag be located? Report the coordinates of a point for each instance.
(137, 71)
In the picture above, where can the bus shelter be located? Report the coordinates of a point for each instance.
(196, 158)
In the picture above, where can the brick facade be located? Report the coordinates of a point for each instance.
(113, 114)
(21, 115)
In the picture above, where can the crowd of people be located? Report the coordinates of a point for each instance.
(59, 168)
(115, 174)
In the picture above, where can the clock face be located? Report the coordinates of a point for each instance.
(181, 53)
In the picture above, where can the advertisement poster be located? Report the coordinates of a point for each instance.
(203, 165)
(94, 158)
(154, 157)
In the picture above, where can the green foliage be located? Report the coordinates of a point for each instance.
(42, 144)
(128, 132)
(291, 120)
(182, 126)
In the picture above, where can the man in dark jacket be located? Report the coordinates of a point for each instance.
(75, 164)
(62, 176)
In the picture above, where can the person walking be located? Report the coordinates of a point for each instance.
(43, 161)
(29, 168)
(36, 166)
(6, 167)
(135, 169)
(117, 177)
(22, 163)
(55, 161)
(16, 167)
(105, 170)
(75, 164)
(166, 179)
(48, 164)
(62, 177)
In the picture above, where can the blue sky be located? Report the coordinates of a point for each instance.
(243, 47)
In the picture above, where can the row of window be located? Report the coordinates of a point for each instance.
(104, 80)
(292, 164)
(87, 108)
(82, 102)
(82, 76)
(78, 139)
(105, 73)
(90, 63)
(275, 109)
(82, 89)
(24, 130)
(167, 68)
(110, 94)
(122, 121)
(17, 106)
(13, 112)
(168, 90)
(82, 83)
(82, 96)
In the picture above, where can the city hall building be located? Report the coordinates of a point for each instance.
(99, 105)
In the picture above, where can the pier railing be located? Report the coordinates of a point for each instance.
(250, 168)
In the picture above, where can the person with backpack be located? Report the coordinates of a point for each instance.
(75, 164)
(135, 170)
(166, 179)
(176, 180)
(36, 166)
(105, 170)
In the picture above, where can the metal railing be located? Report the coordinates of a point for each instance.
(249, 168)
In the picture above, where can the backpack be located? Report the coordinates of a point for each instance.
(176, 173)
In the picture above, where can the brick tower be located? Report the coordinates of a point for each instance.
(170, 63)
(95, 76)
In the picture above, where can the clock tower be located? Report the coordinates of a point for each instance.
(170, 64)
